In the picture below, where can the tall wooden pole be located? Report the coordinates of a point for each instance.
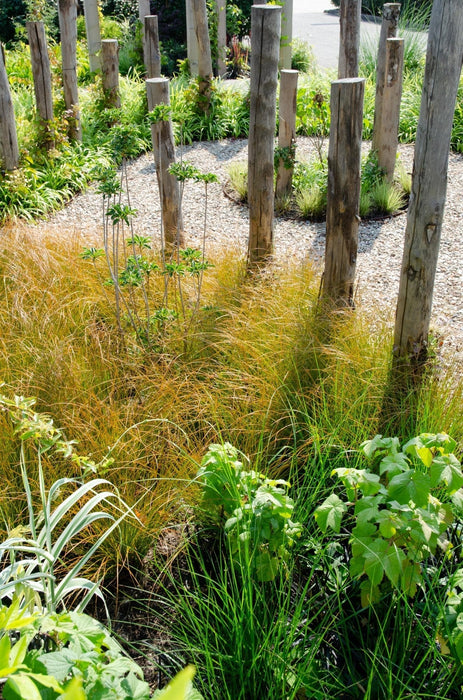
(192, 41)
(143, 9)
(286, 34)
(110, 71)
(349, 38)
(9, 151)
(287, 130)
(429, 185)
(42, 78)
(152, 54)
(221, 10)
(342, 212)
(265, 52)
(389, 27)
(67, 11)
(388, 137)
(201, 28)
(164, 154)
(92, 29)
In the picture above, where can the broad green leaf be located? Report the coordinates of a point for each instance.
(5, 648)
(410, 486)
(74, 691)
(447, 469)
(58, 663)
(330, 512)
(178, 688)
(266, 567)
(393, 561)
(135, 688)
(411, 577)
(24, 687)
(394, 464)
(366, 509)
(369, 595)
(374, 561)
(380, 444)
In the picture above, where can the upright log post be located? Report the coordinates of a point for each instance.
(349, 38)
(388, 136)
(265, 52)
(92, 29)
(67, 11)
(342, 212)
(164, 154)
(110, 71)
(152, 54)
(429, 185)
(9, 151)
(42, 78)
(221, 10)
(286, 34)
(191, 40)
(143, 9)
(389, 28)
(287, 130)
(204, 50)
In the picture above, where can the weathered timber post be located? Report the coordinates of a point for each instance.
(191, 40)
(286, 34)
(388, 138)
(143, 9)
(42, 78)
(389, 27)
(110, 71)
(349, 38)
(221, 10)
(67, 11)
(164, 154)
(265, 52)
(9, 151)
(92, 29)
(204, 50)
(342, 211)
(287, 130)
(429, 185)
(152, 54)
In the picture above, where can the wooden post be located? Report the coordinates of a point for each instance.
(388, 137)
(287, 130)
(9, 151)
(342, 212)
(42, 78)
(349, 38)
(92, 29)
(67, 11)
(286, 34)
(192, 41)
(152, 54)
(221, 9)
(429, 185)
(164, 154)
(265, 52)
(389, 26)
(204, 49)
(110, 71)
(143, 9)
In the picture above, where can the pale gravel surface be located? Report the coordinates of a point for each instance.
(380, 242)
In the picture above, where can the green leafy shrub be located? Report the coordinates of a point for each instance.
(397, 517)
(254, 510)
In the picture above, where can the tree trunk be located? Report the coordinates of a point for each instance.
(286, 34)
(221, 9)
(342, 212)
(9, 151)
(164, 154)
(92, 28)
(287, 130)
(265, 52)
(42, 79)
(388, 136)
(192, 41)
(389, 26)
(152, 54)
(110, 72)
(67, 10)
(349, 39)
(429, 185)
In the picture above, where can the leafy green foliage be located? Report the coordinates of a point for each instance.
(397, 519)
(257, 511)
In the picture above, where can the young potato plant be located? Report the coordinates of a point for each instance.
(399, 510)
(255, 511)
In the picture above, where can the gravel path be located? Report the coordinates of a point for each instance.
(380, 242)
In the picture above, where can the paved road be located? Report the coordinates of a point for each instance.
(317, 22)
